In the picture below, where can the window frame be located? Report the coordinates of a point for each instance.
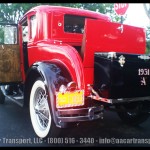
(31, 26)
(16, 34)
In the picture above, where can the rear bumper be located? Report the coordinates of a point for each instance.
(96, 96)
(81, 114)
(120, 100)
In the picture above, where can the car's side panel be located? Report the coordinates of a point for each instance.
(60, 54)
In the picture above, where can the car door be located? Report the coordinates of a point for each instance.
(9, 54)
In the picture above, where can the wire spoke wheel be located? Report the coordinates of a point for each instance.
(39, 109)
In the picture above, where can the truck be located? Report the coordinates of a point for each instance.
(68, 65)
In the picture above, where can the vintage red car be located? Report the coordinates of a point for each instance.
(67, 65)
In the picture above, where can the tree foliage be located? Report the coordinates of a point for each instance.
(148, 39)
(12, 12)
(147, 9)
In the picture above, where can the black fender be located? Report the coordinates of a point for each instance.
(52, 77)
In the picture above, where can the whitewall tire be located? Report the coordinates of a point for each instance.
(40, 113)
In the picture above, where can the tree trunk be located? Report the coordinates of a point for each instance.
(147, 9)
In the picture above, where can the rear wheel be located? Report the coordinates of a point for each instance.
(40, 112)
(133, 113)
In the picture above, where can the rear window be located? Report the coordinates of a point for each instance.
(74, 24)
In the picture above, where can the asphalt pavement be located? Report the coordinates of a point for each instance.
(16, 131)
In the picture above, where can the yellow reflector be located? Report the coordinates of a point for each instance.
(69, 99)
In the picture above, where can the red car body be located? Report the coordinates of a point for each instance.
(78, 62)
(52, 43)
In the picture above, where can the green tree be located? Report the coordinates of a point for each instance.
(148, 40)
(1, 35)
(147, 11)
(12, 12)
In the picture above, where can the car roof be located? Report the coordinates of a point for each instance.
(69, 10)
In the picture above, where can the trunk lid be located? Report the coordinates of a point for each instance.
(122, 75)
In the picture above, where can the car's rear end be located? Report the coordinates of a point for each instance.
(121, 69)
(120, 75)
